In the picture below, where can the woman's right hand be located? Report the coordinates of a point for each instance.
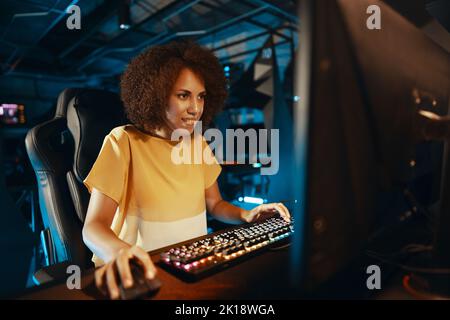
(106, 276)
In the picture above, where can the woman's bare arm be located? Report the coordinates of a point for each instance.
(97, 233)
(116, 254)
(222, 209)
(227, 212)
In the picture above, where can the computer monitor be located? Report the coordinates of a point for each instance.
(358, 129)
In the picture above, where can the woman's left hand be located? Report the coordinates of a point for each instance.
(266, 210)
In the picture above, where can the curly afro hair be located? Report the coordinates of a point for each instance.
(148, 80)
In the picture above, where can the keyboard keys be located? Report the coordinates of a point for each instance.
(211, 252)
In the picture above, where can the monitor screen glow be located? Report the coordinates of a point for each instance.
(12, 114)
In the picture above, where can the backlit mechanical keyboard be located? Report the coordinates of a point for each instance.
(199, 257)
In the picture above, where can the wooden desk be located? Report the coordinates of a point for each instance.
(260, 277)
(263, 276)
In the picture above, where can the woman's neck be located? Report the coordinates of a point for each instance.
(159, 132)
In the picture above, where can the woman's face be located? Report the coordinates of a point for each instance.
(186, 101)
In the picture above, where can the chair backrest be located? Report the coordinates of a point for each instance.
(91, 115)
(61, 158)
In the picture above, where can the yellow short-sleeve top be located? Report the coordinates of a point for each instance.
(159, 201)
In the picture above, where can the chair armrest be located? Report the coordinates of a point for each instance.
(56, 271)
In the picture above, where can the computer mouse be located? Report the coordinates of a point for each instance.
(142, 287)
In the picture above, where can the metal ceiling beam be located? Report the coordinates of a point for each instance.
(165, 37)
(233, 43)
(13, 65)
(251, 21)
(165, 14)
(226, 59)
(40, 6)
(217, 28)
(92, 23)
(272, 6)
(144, 6)
(230, 44)
(156, 17)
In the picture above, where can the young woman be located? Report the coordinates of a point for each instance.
(140, 199)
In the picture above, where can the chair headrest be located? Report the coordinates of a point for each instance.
(63, 101)
(91, 115)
